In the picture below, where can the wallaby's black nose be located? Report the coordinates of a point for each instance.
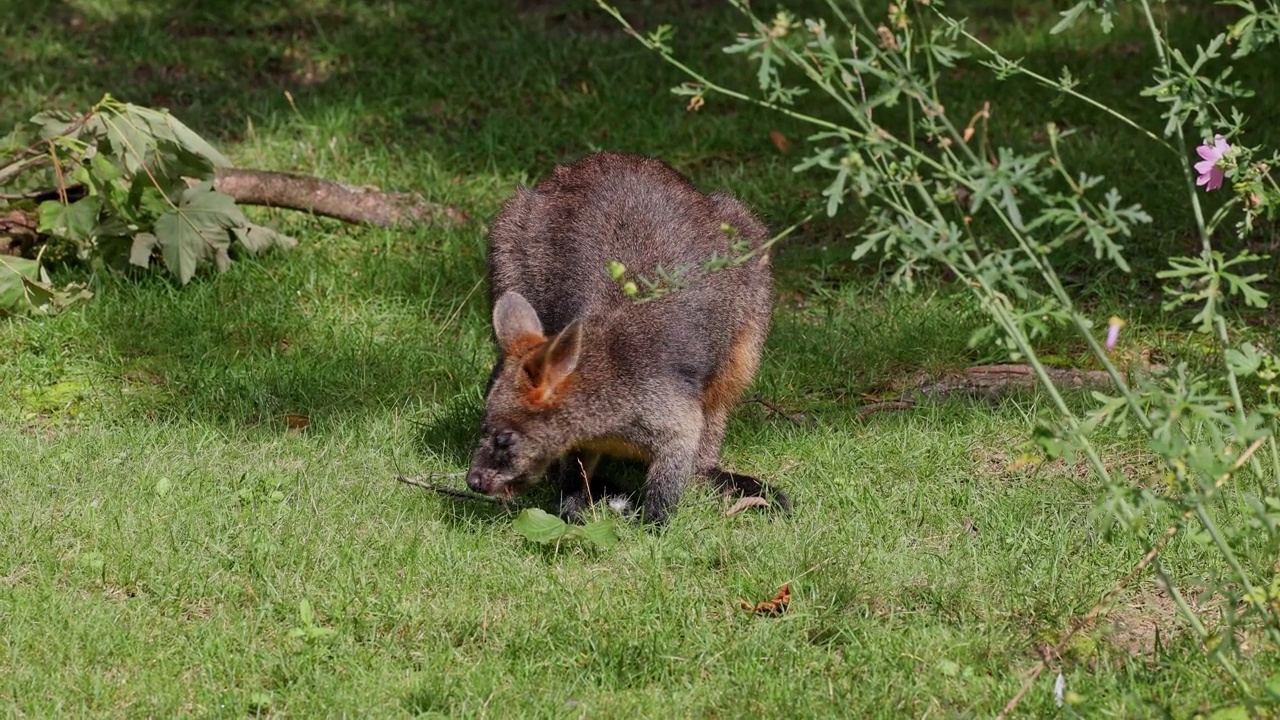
(475, 481)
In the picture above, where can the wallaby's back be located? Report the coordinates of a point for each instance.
(682, 359)
(551, 244)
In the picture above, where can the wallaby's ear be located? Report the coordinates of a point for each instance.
(550, 367)
(562, 355)
(514, 319)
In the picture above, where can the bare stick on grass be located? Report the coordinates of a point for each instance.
(345, 202)
(451, 492)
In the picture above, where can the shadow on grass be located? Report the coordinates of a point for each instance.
(451, 432)
(413, 95)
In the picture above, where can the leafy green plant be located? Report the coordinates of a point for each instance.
(24, 283)
(118, 186)
(307, 629)
(934, 192)
(542, 527)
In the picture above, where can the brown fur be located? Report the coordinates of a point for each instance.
(584, 371)
(525, 345)
(724, 390)
(739, 369)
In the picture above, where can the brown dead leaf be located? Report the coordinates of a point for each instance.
(297, 422)
(780, 141)
(746, 502)
(773, 608)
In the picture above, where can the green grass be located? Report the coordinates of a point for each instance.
(161, 524)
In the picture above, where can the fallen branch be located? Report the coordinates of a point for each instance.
(986, 380)
(287, 191)
(995, 379)
(328, 198)
(873, 408)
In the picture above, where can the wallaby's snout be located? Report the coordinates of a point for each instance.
(480, 479)
(494, 467)
(490, 481)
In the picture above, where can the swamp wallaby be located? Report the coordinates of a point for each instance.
(585, 371)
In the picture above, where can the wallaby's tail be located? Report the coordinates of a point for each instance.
(732, 483)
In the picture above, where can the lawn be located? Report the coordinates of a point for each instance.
(183, 469)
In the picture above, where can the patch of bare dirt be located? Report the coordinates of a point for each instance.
(1146, 622)
(1143, 623)
(1001, 460)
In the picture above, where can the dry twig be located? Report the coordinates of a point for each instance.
(796, 418)
(451, 492)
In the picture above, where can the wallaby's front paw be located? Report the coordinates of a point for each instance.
(573, 508)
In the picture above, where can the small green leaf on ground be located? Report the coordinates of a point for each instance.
(309, 630)
(600, 532)
(542, 527)
(539, 526)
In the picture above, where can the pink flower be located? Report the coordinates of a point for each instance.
(1210, 166)
(1113, 332)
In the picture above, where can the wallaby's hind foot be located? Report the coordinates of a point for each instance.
(739, 485)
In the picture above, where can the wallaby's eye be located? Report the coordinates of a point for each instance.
(504, 440)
